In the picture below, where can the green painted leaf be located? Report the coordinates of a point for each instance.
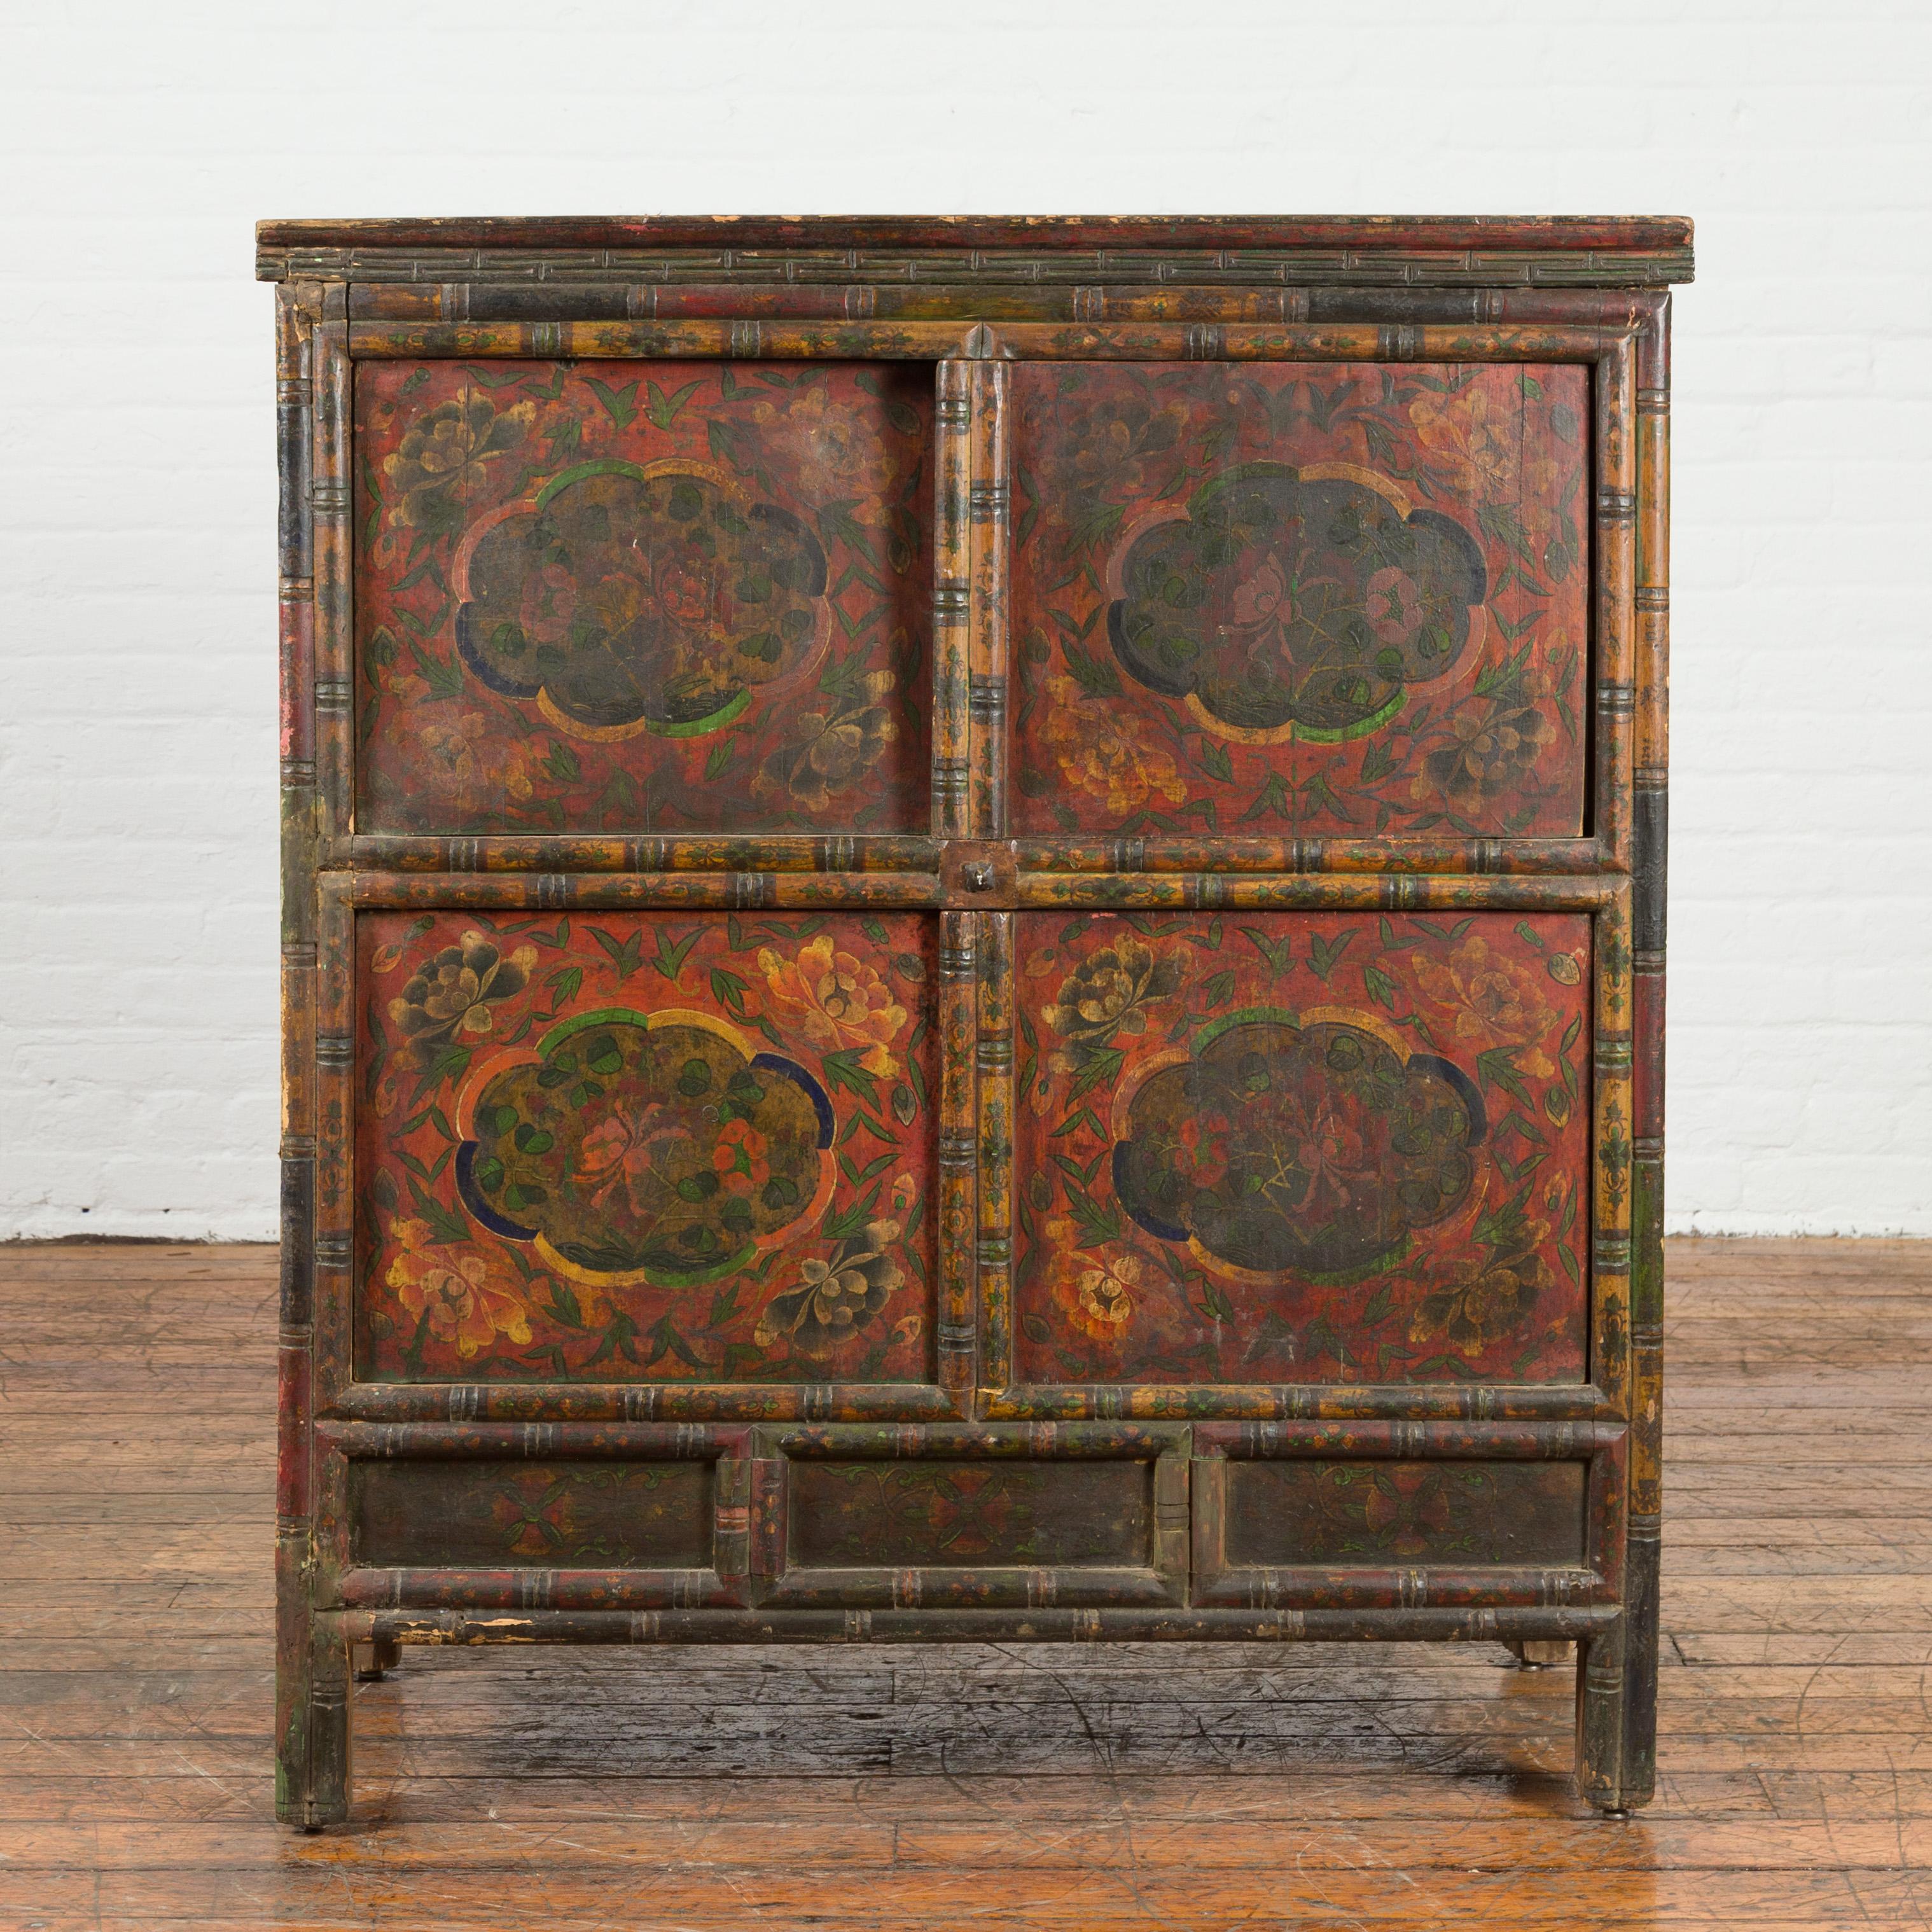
(619, 404)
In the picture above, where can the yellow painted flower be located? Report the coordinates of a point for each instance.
(848, 458)
(833, 751)
(452, 992)
(1481, 1301)
(1100, 753)
(445, 458)
(837, 1000)
(453, 1287)
(1467, 433)
(466, 751)
(1496, 1001)
(1096, 1291)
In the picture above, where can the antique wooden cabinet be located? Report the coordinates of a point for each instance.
(974, 938)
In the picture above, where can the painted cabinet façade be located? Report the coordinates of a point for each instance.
(973, 938)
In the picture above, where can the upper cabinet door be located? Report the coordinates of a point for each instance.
(642, 596)
(1322, 599)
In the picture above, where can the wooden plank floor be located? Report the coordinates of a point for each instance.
(1249, 1785)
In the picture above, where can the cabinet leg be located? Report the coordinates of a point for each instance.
(1536, 1653)
(369, 1662)
(1600, 1692)
(1642, 1566)
(312, 1732)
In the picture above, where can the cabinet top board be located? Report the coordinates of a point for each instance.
(1574, 250)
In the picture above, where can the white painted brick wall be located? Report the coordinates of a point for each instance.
(137, 849)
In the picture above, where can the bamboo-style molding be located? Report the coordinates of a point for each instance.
(410, 1405)
(1385, 892)
(932, 1587)
(952, 598)
(857, 892)
(1075, 1441)
(514, 1623)
(995, 1060)
(990, 494)
(1092, 300)
(740, 892)
(480, 1441)
(1424, 1405)
(335, 1070)
(1614, 622)
(1612, 1152)
(674, 852)
(535, 1405)
(746, 338)
(1651, 812)
(958, 1340)
(331, 501)
(297, 1733)
(446, 1586)
(919, 854)
(1429, 1587)
(1530, 857)
(1564, 1439)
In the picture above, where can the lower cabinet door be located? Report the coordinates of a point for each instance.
(1267, 1149)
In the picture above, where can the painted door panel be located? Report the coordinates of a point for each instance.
(620, 1147)
(1326, 599)
(664, 596)
(1289, 1147)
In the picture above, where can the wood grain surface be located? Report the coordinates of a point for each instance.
(1262, 1786)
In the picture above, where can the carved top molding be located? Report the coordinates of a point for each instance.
(1605, 251)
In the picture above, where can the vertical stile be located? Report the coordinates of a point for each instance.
(994, 1062)
(1610, 1246)
(767, 1521)
(951, 564)
(1648, 941)
(1207, 1541)
(331, 500)
(1171, 1523)
(327, 1773)
(958, 1027)
(295, 307)
(1616, 538)
(731, 1519)
(335, 1127)
(990, 498)
(1600, 1715)
(1600, 1686)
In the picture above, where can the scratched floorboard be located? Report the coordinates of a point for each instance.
(893, 1790)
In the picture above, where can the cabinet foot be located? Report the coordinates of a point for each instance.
(1535, 1653)
(370, 1663)
(312, 1774)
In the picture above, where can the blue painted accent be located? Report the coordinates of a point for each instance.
(471, 1195)
(789, 1069)
(487, 671)
(1161, 1230)
(1472, 1094)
